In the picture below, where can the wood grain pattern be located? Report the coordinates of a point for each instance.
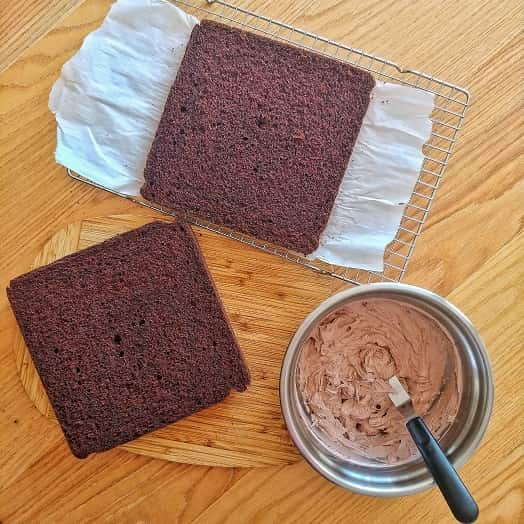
(246, 429)
(24, 22)
(471, 251)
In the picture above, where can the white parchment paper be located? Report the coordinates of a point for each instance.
(111, 94)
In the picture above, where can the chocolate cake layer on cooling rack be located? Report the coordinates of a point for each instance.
(256, 135)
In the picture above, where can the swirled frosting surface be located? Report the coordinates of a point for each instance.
(344, 369)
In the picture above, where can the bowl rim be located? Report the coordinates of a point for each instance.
(363, 290)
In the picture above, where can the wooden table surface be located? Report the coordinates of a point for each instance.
(471, 251)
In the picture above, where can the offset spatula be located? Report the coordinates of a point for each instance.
(457, 496)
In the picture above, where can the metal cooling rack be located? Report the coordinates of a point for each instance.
(451, 103)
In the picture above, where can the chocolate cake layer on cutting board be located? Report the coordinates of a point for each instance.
(128, 335)
(256, 135)
(265, 297)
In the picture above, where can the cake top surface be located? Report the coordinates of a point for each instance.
(128, 335)
(256, 135)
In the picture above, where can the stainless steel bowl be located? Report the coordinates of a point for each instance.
(460, 440)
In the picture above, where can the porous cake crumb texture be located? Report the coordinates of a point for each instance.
(256, 135)
(128, 336)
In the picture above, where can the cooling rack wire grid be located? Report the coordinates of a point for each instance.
(451, 103)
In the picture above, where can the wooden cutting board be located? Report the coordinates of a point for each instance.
(266, 299)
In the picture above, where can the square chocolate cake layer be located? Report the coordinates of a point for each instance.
(128, 336)
(256, 135)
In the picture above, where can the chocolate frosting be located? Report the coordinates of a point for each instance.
(344, 369)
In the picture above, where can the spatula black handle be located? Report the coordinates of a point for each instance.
(451, 486)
